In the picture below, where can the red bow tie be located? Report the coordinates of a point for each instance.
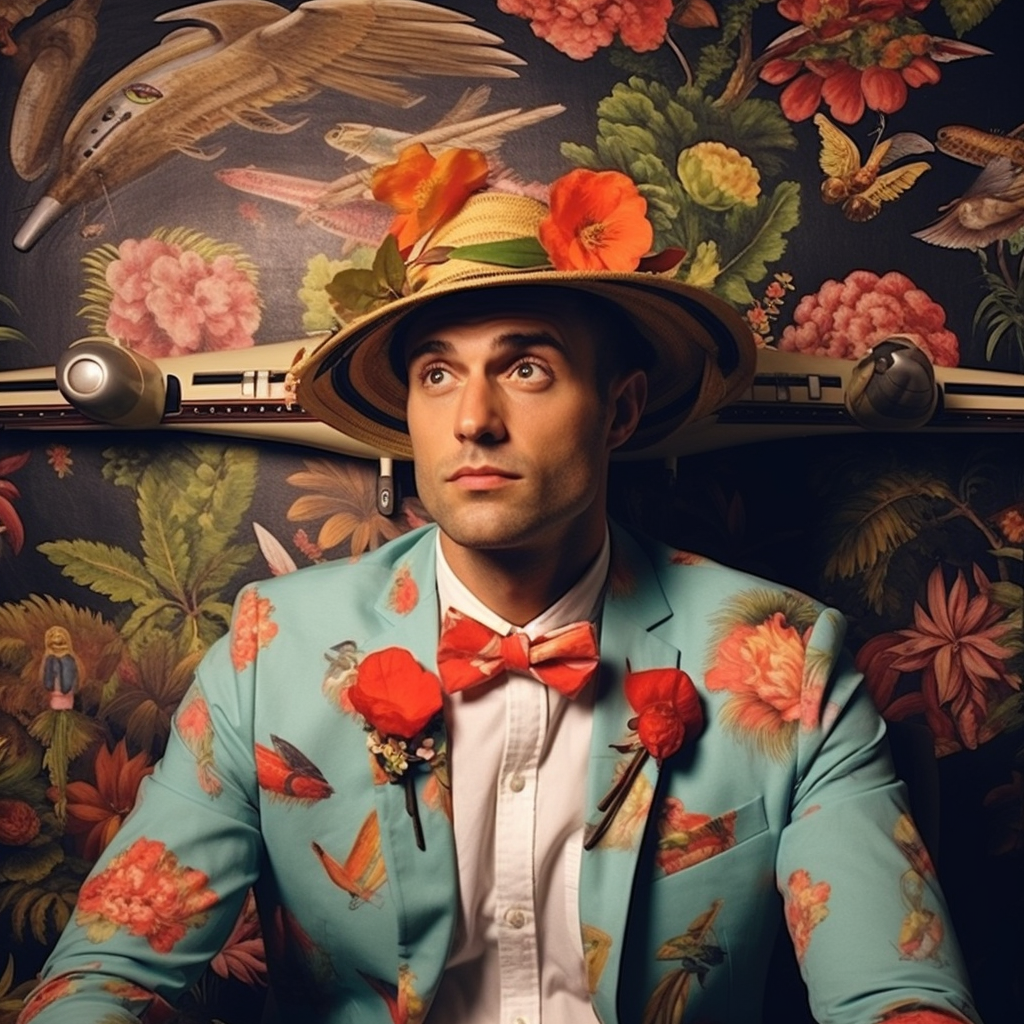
(470, 652)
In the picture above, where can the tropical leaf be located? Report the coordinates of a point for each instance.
(44, 910)
(967, 14)
(165, 555)
(765, 241)
(873, 523)
(156, 613)
(102, 568)
(12, 334)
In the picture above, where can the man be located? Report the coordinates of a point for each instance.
(523, 767)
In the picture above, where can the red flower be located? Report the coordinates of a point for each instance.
(394, 693)
(597, 221)
(146, 891)
(667, 706)
(19, 823)
(425, 192)
(95, 813)
(10, 521)
(855, 54)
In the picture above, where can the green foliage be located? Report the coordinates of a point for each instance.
(1002, 310)
(644, 126)
(191, 502)
(42, 910)
(10, 333)
(766, 227)
(876, 521)
(967, 14)
(355, 292)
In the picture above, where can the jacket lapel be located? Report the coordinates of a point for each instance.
(424, 883)
(635, 604)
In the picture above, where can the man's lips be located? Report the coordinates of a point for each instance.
(481, 477)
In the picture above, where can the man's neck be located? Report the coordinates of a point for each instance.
(520, 583)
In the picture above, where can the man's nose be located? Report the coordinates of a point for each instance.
(479, 415)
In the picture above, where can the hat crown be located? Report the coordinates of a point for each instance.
(485, 218)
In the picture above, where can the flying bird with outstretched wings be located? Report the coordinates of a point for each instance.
(242, 58)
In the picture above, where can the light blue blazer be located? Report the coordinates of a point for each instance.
(789, 790)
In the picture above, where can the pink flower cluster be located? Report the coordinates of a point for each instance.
(845, 319)
(580, 27)
(146, 891)
(170, 301)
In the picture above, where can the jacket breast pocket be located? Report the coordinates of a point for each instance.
(686, 839)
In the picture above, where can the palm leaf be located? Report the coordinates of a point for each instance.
(105, 569)
(876, 521)
(166, 556)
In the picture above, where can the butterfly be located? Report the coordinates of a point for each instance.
(363, 872)
(286, 772)
(861, 188)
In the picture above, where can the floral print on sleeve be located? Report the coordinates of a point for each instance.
(806, 907)
(145, 891)
(253, 628)
(195, 727)
(760, 657)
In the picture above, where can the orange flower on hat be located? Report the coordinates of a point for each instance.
(597, 221)
(425, 191)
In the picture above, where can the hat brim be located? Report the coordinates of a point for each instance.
(704, 352)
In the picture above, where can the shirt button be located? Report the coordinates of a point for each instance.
(515, 918)
(517, 783)
(520, 1020)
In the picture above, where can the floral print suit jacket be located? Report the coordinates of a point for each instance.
(268, 783)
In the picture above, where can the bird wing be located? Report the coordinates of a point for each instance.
(470, 104)
(893, 184)
(839, 157)
(361, 47)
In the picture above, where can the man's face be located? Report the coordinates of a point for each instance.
(510, 434)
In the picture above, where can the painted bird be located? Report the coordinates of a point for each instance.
(286, 772)
(991, 210)
(243, 58)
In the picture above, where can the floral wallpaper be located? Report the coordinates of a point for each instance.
(838, 170)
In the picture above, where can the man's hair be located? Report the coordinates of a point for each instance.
(619, 347)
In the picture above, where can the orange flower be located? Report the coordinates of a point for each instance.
(425, 191)
(806, 907)
(597, 221)
(95, 813)
(253, 628)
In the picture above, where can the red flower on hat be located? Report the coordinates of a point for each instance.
(597, 221)
(668, 709)
(394, 693)
(425, 191)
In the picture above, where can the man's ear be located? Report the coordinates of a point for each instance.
(627, 397)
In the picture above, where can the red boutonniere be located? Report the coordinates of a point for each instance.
(400, 701)
(668, 713)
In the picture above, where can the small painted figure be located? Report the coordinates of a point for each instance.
(60, 668)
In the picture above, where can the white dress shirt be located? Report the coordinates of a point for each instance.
(518, 752)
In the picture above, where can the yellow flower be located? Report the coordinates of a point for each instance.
(705, 268)
(718, 177)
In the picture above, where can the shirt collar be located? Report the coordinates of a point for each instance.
(581, 601)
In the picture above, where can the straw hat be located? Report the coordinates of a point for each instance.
(704, 351)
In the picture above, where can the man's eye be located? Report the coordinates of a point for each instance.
(435, 376)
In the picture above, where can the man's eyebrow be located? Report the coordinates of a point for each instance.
(512, 340)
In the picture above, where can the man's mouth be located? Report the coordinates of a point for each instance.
(480, 478)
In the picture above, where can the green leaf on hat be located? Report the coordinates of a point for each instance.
(511, 252)
(389, 267)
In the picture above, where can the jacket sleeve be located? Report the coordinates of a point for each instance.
(165, 894)
(863, 906)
